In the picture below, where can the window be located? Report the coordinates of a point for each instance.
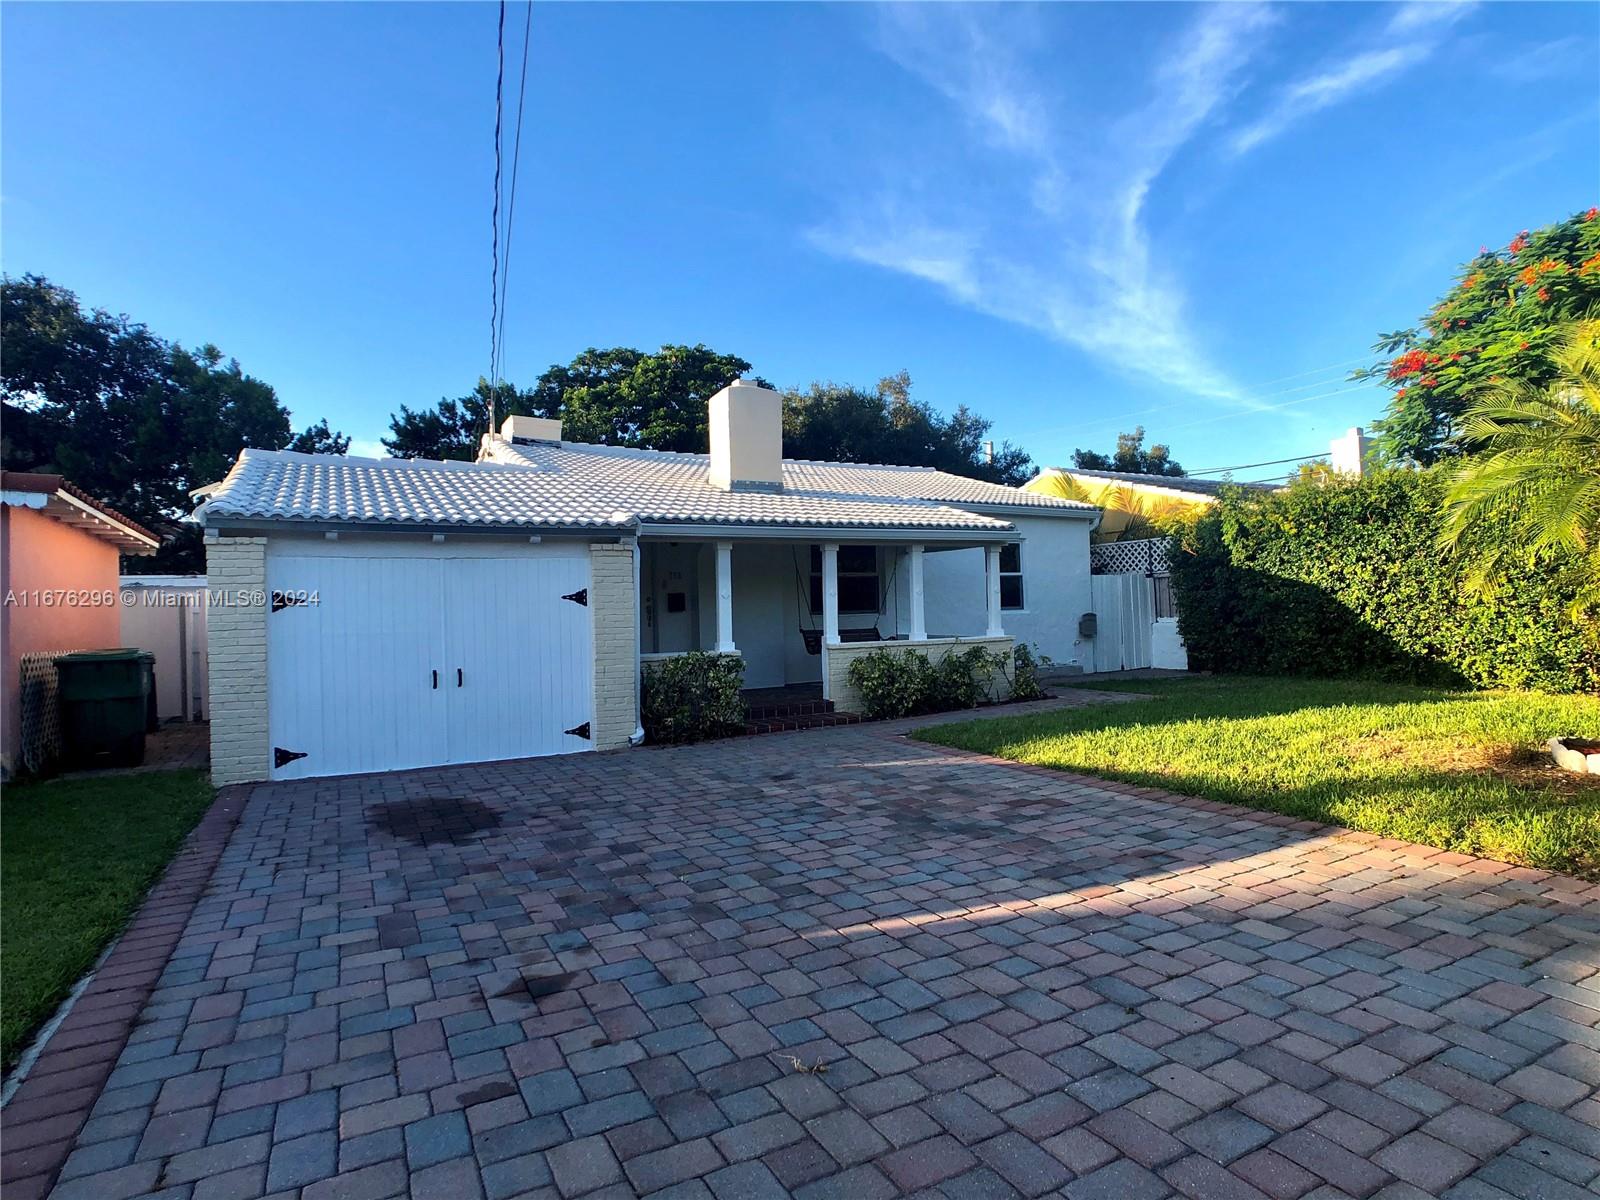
(1011, 575)
(858, 580)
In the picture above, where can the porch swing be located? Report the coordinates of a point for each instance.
(813, 636)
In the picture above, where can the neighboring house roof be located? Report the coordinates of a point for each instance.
(1170, 483)
(577, 486)
(64, 500)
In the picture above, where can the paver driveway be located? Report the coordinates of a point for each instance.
(616, 975)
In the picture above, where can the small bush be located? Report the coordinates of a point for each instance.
(904, 683)
(892, 683)
(693, 697)
(1025, 666)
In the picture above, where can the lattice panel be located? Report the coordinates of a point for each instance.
(1147, 556)
(41, 714)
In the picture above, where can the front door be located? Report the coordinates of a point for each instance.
(672, 605)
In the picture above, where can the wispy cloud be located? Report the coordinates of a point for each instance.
(1410, 36)
(1056, 238)
(1544, 60)
(368, 448)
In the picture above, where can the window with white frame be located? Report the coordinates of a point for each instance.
(1011, 575)
(859, 589)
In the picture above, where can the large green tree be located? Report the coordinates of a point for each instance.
(837, 423)
(625, 397)
(1130, 457)
(453, 428)
(1502, 322)
(615, 397)
(132, 419)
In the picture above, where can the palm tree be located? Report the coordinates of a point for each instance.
(1532, 483)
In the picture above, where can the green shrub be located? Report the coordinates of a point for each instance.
(892, 683)
(693, 697)
(1025, 683)
(1344, 577)
(904, 683)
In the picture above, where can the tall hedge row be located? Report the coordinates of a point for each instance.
(1345, 577)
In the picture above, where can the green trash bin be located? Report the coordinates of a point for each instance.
(152, 714)
(104, 697)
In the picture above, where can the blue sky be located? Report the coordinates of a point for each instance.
(1072, 218)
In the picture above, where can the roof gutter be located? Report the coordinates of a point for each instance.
(692, 530)
(1084, 512)
(610, 531)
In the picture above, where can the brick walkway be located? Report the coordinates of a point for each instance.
(616, 974)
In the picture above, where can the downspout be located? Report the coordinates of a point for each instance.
(638, 665)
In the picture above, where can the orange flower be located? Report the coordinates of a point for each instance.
(1544, 293)
(1591, 214)
(1519, 243)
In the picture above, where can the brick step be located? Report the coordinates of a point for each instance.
(789, 724)
(789, 710)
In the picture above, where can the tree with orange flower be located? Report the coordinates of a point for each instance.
(1507, 315)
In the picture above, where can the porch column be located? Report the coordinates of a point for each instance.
(830, 593)
(725, 598)
(991, 558)
(830, 613)
(919, 625)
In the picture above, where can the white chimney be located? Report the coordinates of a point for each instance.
(530, 429)
(746, 438)
(1347, 455)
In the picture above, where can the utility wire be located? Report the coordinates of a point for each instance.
(494, 222)
(511, 205)
(1247, 466)
(1111, 422)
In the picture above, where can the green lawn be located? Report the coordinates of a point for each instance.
(1459, 770)
(76, 857)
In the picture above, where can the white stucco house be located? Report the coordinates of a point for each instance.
(372, 615)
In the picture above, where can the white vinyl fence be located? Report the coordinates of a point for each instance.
(1132, 597)
(1124, 607)
(166, 615)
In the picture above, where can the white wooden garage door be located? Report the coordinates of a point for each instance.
(378, 661)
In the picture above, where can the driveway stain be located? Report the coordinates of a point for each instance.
(435, 820)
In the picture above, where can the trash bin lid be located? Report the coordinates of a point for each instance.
(121, 654)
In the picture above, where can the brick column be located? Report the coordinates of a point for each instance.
(236, 641)
(614, 603)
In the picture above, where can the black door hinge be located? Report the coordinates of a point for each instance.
(282, 757)
(581, 596)
(281, 601)
(579, 731)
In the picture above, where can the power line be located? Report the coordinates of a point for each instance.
(494, 216)
(511, 206)
(1111, 422)
(1247, 466)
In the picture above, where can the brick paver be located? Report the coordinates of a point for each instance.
(843, 964)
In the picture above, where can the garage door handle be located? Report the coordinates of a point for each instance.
(436, 681)
(458, 676)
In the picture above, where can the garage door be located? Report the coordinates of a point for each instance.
(377, 663)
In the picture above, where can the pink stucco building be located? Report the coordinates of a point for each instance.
(59, 550)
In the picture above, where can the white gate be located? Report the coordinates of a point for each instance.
(1124, 608)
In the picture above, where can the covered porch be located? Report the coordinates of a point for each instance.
(797, 610)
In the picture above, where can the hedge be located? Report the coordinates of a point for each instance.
(1345, 577)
